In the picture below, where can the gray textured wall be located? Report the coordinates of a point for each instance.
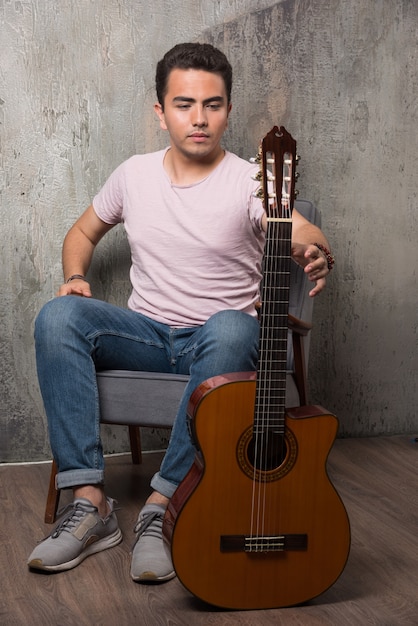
(76, 95)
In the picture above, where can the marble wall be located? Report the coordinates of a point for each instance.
(76, 96)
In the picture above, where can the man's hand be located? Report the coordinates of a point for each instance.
(76, 287)
(315, 265)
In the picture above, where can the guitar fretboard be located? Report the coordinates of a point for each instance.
(272, 365)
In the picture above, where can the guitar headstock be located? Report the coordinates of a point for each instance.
(277, 159)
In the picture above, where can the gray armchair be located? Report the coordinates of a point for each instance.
(148, 399)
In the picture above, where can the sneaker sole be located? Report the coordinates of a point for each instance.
(103, 544)
(150, 577)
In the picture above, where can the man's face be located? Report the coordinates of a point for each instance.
(195, 113)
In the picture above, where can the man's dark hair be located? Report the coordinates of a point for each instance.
(196, 56)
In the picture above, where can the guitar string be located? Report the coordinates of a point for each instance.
(277, 249)
(285, 246)
(262, 433)
(258, 503)
(260, 408)
(277, 372)
(273, 249)
(285, 254)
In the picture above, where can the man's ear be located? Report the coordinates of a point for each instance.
(229, 111)
(160, 114)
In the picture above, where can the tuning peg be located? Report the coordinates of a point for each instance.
(259, 176)
(298, 158)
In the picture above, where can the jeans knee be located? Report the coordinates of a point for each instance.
(233, 327)
(234, 337)
(53, 319)
(45, 318)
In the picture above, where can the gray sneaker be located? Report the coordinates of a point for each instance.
(80, 532)
(151, 560)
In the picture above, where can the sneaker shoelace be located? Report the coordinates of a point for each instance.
(72, 518)
(150, 525)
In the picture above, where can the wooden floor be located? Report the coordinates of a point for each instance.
(377, 479)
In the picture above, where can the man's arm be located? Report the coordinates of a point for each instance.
(304, 251)
(77, 252)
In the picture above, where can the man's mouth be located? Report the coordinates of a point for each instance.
(199, 136)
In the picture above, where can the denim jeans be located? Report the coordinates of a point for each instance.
(76, 336)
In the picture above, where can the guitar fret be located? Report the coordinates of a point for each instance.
(271, 360)
(271, 377)
(271, 406)
(277, 340)
(280, 341)
(263, 422)
(275, 400)
(278, 381)
(275, 427)
(277, 386)
(271, 409)
(275, 391)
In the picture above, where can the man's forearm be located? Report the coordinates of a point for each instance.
(77, 253)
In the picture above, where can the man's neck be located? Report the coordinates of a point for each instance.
(184, 171)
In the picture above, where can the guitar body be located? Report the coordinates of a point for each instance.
(224, 500)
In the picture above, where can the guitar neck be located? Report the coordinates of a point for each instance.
(278, 164)
(272, 364)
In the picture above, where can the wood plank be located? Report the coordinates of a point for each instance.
(376, 477)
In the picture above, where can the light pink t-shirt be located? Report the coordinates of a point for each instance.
(195, 250)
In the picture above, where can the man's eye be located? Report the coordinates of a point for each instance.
(214, 107)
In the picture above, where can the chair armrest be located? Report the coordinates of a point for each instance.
(299, 330)
(298, 326)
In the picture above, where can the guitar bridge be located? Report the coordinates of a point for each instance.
(263, 543)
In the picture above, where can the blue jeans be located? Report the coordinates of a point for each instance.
(76, 336)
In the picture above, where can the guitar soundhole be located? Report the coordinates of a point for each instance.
(267, 457)
(268, 453)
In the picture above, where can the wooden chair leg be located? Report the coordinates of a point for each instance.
(52, 498)
(135, 441)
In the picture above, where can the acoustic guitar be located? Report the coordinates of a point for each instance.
(257, 523)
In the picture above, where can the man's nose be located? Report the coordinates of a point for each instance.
(200, 118)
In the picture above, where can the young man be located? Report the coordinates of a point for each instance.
(196, 234)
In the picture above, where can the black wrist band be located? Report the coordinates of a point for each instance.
(74, 277)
